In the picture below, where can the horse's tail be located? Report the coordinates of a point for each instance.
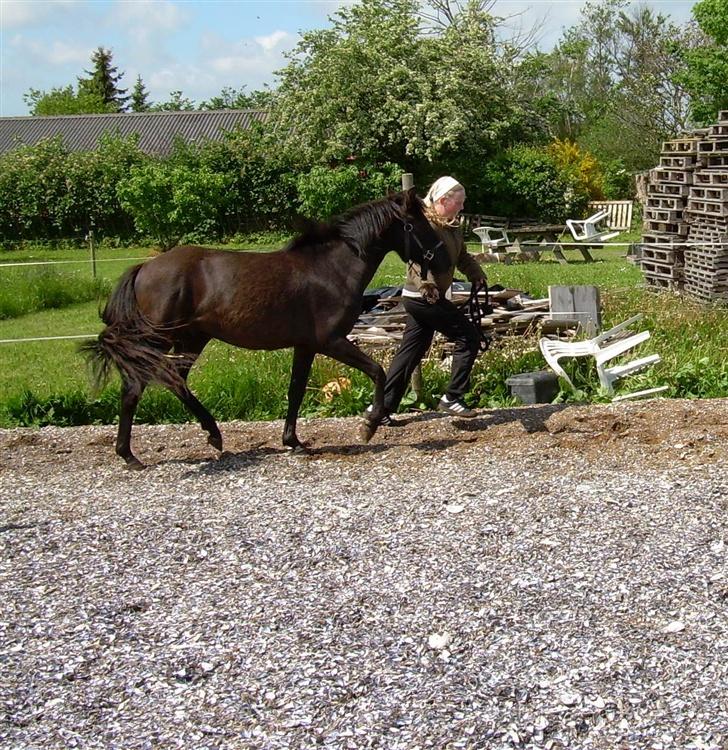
(131, 343)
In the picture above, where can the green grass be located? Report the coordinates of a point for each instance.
(47, 383)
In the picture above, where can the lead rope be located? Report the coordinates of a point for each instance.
(475, 311)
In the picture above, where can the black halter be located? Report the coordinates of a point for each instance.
(425, 256)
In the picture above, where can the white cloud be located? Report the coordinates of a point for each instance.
(192, 81)
(53, 53)
(148, 16)
(255, 58)
(22, 13)
(276, 39)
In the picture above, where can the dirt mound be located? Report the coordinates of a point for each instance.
(651, 432)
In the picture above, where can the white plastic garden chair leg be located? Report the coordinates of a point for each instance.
(607, 375)
(640, 394)
(602, 356)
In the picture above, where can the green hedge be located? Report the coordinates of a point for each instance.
(243, 183)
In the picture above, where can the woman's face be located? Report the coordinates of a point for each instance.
(449, 206)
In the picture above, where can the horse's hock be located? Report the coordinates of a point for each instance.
(685, 236)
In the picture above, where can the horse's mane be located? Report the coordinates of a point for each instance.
(358, 227)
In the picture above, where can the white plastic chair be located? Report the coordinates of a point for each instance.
(603, 351)
(587, 230)
(491, 238)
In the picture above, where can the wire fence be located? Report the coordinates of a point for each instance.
(93, 261)
(532, 244)
(64, 262)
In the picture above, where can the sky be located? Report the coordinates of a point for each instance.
(198, 46)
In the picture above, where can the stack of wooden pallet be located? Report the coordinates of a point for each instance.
(706, 257)
(665, 228)
(685, 236)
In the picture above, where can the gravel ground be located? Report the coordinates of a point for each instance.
(543, 577)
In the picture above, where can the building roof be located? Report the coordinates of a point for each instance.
(157, 130)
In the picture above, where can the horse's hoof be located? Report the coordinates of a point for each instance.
(216, 442)
(134, 464)
(298, 450)
(366, 431)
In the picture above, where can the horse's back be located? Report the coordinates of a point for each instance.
(243, 298)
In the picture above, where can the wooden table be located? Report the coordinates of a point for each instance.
(541, 237)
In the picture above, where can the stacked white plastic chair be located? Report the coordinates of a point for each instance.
(588, 230)
(604, 348)
(491, 238)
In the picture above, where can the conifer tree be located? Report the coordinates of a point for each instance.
(104, 80)
(140, 97)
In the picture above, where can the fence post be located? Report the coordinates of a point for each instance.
(408, 181)
(92, 250)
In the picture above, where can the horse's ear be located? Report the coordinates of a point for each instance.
(410, 198)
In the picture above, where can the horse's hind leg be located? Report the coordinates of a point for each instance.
(347, 353)
(189, 350)
(131, 392)
(302, 361)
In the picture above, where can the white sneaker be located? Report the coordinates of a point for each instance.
(455, 408)
(387, 421)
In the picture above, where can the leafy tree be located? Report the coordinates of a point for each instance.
(375, 88)
(104, 80)
(139, 97)
(528, 181)
(610, 84)
(32, 190)
(64, 101)
(169, 201)
(325, 192)
(47, 192)
(177, 103)
(230, 98)
(261, 177)
(706, 73)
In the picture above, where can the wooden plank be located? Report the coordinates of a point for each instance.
(580, 302)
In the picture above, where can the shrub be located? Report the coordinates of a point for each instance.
(618, 181)
(47, 193)
(324, 192)
(526, 181)
(169, 201)
(579, 166)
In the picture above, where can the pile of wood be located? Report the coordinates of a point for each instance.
(685, 239)
(514, 314)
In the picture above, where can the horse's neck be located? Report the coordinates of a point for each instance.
(373, 259)
(355, 272)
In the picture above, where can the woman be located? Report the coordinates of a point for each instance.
(428, 310)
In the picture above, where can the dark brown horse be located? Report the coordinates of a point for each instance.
(306, 296)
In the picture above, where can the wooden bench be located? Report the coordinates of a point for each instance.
(619, 213)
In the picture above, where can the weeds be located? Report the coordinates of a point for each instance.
(45, 289)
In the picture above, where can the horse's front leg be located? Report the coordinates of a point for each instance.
(344, 351)
(302, 361)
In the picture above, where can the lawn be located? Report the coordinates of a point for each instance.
(46, 381)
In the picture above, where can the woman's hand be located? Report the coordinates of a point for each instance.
(430, 293)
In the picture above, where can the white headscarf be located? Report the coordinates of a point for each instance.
(441, 186)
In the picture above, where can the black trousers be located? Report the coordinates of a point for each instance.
(423, 319)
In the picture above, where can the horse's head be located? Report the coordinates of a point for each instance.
(410, 235)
